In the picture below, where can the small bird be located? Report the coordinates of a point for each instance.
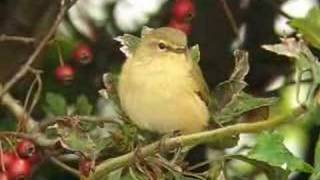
(161, 88)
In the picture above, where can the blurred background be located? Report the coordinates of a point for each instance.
(85, 48)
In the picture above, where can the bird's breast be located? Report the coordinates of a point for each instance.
(160, 98)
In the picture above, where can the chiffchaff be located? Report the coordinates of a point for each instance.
(161, 88)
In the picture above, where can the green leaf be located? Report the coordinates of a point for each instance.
(76, 140)
(241, 67)
(116, 175)
(309, 26)
(55, 104)
(241, 104)
(272, 172)
(306, 64)
(270, 149)
(227, 90)
(129, 44)
(83, 106)
(316, 174)
(195, 53)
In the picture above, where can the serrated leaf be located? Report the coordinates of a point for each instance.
(288, 47)
(226, 90)
(55, 104)
(84, 142)
(306, 64)
(272, 172)
(83, 106)
(270, 149)
(129, 44)
(241, 67)
(309, 26)
(195, 53)
(242, 104)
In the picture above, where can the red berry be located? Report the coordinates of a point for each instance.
(26, 148)
(4, 176)
(183, 10)
(86, 166)
(6, 158)
(65, 73)
(182, 26)
(19, 169)
(83, 54)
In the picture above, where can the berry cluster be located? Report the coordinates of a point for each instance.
(182, 13)
(82, 55)
(19, 164)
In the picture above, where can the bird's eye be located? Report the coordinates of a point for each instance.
(161, 46)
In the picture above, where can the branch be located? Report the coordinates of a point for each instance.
(65, 119)
(230, 17)
(27, 40)
(18, 110)
(26, 66)
(65, 166)
(109, 165)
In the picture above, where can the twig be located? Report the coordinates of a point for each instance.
(4, 37)
(22, 122)
(65, 166)
(230, 17)
(192, 139)
(25, 67)
(277, 8)
(51, 121)
(17, 109)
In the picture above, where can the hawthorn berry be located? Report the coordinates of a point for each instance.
(183, 10)
(182, 26)
(3, 176)
(86, 166)
(64, 73)
(26, 149)
(83, 54)
(7, 158)
(19, 169)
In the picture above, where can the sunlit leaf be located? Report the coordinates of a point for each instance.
(306, 64)
(309, 26)
(272, 172)
(270, 149)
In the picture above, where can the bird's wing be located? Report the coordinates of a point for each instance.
(198, 83)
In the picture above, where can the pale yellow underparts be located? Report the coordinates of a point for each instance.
(159, 94)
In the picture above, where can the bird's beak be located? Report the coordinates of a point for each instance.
(180, 49)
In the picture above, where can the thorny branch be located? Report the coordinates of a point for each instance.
(14, 106)
(26, 66)
(109, 165)
(17, 109)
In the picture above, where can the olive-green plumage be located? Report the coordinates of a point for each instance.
(161, 88)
